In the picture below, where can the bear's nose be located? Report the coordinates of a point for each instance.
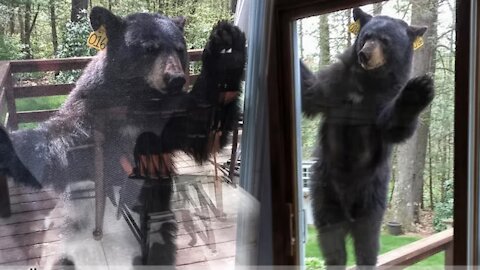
(175, 82)
(363, 57)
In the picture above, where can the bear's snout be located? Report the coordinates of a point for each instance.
(167, 74)
(371, 55)
(175, 81)
(174, 76)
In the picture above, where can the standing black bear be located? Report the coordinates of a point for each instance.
(140, 79)
(368, 103)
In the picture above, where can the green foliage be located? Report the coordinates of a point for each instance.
(444, 210)
(200, 23)
(74, 43)
(10, 48)
(74, 39)
(309, 136)
(313, 263)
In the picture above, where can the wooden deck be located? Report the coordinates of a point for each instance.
(45, 224)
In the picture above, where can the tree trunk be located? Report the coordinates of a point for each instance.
(348, 15)
(53, 26)
(21, 25)
(377, 9)
(324, 40)
(233, 5)
(300, 38)
(77, 7)
(408, 194)
(11, 22)
(430, 173)
(28, 28)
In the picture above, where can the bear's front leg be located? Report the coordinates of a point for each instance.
(401, 120)
(11, 164)
(219, 84)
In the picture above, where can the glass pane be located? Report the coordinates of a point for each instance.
(140, 163)
(375, 112)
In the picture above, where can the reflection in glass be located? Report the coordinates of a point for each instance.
(138, 154)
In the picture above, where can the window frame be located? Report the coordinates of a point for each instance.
(282, 126)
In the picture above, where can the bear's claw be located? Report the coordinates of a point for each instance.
(226, 45)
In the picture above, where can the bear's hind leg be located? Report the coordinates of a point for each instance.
(366, 238)
(332, 243)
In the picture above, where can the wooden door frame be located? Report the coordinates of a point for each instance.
(282, 123)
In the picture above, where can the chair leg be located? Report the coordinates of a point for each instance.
(99, 186)
(5, 210)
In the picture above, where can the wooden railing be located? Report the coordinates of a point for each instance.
(9, 91)
(417, 251)
(420, 250)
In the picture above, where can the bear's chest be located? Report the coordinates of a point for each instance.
(351, 148)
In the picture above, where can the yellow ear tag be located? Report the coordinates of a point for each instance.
(98, 39)
(418, 43)
(354, 27)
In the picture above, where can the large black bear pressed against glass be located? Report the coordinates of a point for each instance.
(143, 70)
(368, 103)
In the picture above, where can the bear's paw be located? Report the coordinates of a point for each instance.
(419, 91)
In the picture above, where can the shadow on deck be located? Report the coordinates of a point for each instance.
(45, 225)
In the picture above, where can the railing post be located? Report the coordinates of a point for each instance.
(12, 108)
(449, 256)
(5, 210)
(233, 156)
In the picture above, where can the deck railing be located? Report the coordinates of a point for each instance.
(11, 118)
(418, 251)
(10, 92)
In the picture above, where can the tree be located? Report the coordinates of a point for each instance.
(324, 40)
(27, 23)
(77, 7)
(53, 26)
(377, 8)
(408, 193)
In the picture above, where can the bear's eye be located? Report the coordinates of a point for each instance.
(179, 48)
(151, 49)
(384, 40)
(367, 36)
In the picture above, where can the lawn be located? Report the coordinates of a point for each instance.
(38, 103)
(388, 242)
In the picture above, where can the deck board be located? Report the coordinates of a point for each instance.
(35, 233)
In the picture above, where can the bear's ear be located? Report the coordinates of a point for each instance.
(360, 16)
(416, 31)
(179, 21)
(101, 16)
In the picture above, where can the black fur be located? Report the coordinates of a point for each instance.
(364, 113)
(118, 77)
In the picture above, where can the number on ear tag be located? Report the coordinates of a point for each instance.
(354, 27)
(418, 43)
(98, 39)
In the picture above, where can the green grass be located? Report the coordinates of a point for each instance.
(39, 103)
(388, 242)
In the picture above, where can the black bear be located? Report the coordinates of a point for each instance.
(137, 85)
(368, 103)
